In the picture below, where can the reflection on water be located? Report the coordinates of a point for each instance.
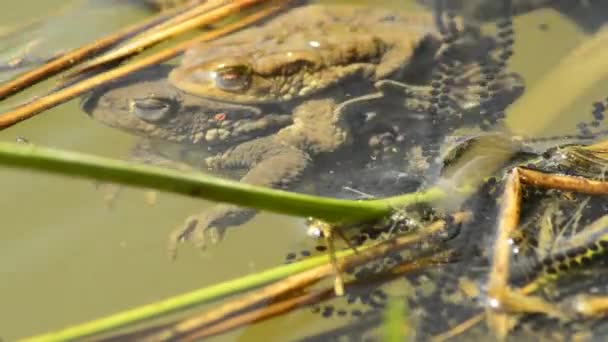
(76, 260)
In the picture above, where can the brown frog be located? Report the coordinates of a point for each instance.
(271, 105)
(307, 50)
(259, 141)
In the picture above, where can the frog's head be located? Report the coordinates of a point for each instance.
(146, 104)
(282, 61)
(251, 77)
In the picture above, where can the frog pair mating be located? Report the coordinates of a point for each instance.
(272, 99)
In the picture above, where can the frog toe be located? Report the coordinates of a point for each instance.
(208, 227)
(184, 233)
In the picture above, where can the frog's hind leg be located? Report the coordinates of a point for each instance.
(270, 164)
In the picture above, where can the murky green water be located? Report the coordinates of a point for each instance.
(66, 258)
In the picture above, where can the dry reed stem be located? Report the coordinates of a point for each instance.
(43, 103)
(500, 296)
(266, 293)
(202, 14)
(563, 182)
(74, 57)
(507, 224)
(303, 279)
(497, 285)
(260, 314)
(293, 303)
(459, 329)
(590, 305)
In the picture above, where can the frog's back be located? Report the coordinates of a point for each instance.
(308, 50)
(330, 27)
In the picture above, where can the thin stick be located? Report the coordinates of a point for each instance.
(293, 303)
(563, 182)
(74, 57)
(303, 279)
(328, 233)
(498, 290)
(38, 105)
(589, 305)
(203, 14)
(499, 274)
(258, 315)
(507, 224)
(266, 293)
(459, 329)
(475, 319)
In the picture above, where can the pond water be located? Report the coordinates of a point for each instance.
(65, 257)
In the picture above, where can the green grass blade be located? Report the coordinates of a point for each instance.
(199, 185)
(182, 301)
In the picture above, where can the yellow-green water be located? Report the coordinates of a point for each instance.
(66, 258)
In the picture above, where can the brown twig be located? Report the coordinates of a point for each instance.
(563, 182)
(196, 17)
(293, 303)
(501, 298)
(38, 105)
(507, 224)
(266, 293)
(594, 306)
(260, 314)
(76, 56)
(498, 321)
(460, 328)
(302, 280)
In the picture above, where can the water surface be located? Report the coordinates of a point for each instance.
(66, 258)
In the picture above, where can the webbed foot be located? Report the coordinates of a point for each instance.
(208, 227)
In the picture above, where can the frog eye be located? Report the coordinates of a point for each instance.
(233, 78)
(151, 109)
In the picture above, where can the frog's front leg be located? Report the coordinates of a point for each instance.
(270, 162)
(274, 161)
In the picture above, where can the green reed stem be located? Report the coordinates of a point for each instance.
(215, 292)
(203, 186)
(184, 301)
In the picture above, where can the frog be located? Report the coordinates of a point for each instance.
(146, 104)
(300, 121)
(289, 57)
